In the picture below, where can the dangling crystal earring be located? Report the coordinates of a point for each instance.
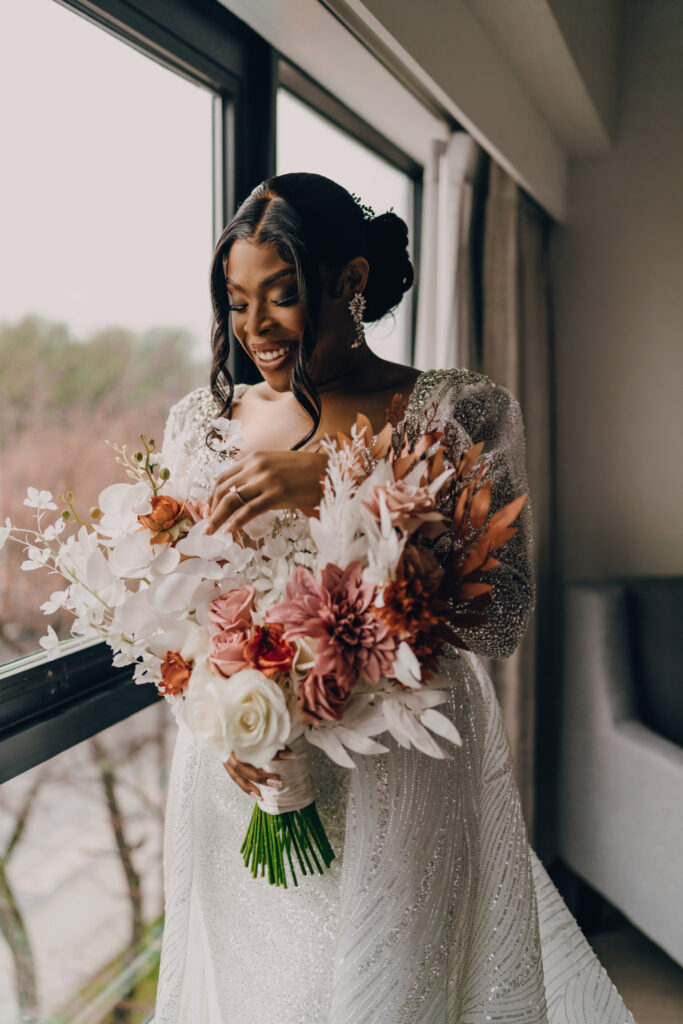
(357, 304)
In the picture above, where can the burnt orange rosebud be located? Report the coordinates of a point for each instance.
(165, 512)
(267, 651)
(175, 674)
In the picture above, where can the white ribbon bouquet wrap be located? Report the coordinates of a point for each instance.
(303, 630)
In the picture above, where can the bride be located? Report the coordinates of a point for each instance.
(435, 910)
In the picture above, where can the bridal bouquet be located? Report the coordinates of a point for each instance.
(319, 629)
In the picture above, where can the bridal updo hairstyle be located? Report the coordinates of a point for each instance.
(314, 223)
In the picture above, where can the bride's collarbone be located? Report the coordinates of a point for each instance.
(277, 425)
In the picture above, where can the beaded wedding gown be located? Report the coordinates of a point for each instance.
(435, 910)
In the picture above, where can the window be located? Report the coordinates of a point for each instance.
(107, 235)
(123, 165)
(81, 878)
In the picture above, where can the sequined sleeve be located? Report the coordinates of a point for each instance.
(469, 408)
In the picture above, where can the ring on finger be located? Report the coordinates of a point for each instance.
(233, 490)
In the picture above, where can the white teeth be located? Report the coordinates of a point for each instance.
(272, 354)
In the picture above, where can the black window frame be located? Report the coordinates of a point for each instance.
(47, 706)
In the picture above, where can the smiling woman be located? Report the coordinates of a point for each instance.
(435, 907)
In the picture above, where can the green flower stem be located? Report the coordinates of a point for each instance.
(270, 836)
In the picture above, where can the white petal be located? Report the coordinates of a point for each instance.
(325, 739)
(167, 560)
(441, 725)
(404, 722)
(98, 572)
(358, 742)
(173, 593)
(406, 667)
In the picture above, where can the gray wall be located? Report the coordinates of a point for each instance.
(618, 272)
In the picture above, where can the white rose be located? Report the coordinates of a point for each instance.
(203, 712)
(246, 715)
(257, 719)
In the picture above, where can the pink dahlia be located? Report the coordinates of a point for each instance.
(338, 612)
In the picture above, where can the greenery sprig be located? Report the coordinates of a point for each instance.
(140, 465)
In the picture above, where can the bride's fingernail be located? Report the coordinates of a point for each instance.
(275, 783)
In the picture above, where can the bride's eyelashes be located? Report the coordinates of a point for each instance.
(288, 300)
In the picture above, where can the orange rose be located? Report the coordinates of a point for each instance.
(166, 512)
(175, 674)
(267, 651)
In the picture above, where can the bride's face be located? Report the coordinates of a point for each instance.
(268, 319)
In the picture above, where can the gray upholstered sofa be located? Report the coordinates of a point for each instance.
(621, 755)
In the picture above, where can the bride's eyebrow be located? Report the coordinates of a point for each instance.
(266, 281)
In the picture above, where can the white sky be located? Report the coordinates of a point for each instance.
(105, 179)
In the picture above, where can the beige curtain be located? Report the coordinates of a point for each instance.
(516, 352)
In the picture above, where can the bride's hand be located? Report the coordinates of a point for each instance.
(265, 480)
(245, 774)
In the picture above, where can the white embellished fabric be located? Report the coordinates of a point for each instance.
(435, 910)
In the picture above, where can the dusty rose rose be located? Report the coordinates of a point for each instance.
(352, 641)
(322, 697)
(232, 610)
(226, 652)
(166, 512)
(175, 674)
(267, 651)
(408, 506)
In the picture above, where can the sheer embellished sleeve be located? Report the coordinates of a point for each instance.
(184, 450)
(469, 407)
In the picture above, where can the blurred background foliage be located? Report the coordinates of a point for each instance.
(64, 396)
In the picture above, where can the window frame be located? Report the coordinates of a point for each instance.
(47, 706)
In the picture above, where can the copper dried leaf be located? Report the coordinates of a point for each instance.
(509, 513)
(500, 536)
(364, 428)
(459, 514)
(402, 466)
(382, 442)
(469, 459)
(481, 502)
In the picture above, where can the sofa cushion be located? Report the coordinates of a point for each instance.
(656, 620)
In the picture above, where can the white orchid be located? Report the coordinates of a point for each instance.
(230, 432)
(52, 532)
(58, 599)
(38, 558)
(50, 643)
(119, 504)
(39, 499)
(5, 532)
